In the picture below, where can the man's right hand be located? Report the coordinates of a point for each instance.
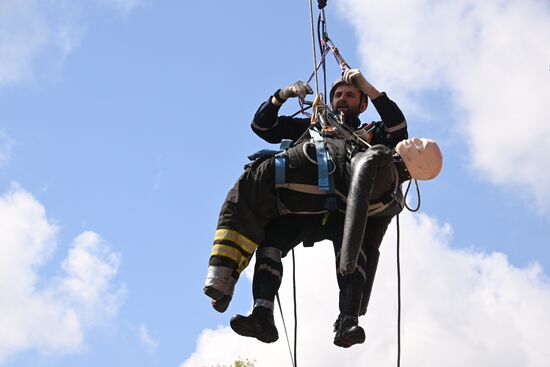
(297, 89)
(356, 78)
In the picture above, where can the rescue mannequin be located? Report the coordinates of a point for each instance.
(375, 173)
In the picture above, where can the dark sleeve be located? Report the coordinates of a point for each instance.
(273, 128)
(393, 127)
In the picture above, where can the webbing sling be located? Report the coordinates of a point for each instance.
(280, 158)
(325, 180)
(280, 161)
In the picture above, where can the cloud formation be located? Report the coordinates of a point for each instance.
(489, 58)
(31, 306)
(6, 146)
(460, 308)
(33, 34)
(146, 340)
(37, 36)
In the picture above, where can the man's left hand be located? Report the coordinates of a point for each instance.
(355, 77)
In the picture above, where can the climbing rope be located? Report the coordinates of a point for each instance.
(316, 66)
(399, 267)
(284, 326)
(313, 46)
(326, 46)
(293, 358)
(295, 309)
(398, 262)
(417, 194)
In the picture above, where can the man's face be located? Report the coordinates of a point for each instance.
(348, 100)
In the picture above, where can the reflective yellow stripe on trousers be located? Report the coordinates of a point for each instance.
(227, 251)
(237, 238)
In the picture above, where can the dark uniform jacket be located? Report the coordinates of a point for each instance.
(299, 172)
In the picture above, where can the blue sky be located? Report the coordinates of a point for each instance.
(123, 124)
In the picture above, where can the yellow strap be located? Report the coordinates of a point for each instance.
(325, 218)
(243, 242)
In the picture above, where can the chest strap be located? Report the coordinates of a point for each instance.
(280, 162)
(325, 178)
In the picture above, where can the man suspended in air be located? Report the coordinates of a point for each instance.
(268, 216)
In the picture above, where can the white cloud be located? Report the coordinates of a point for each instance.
(6, 145)
(50, 315)
(37, 36)
(146, 340)
(32, 33)
(492, 60)
(460, 308)
(90, 268)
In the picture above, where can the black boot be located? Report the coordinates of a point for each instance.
(259, 324)
(348, 332)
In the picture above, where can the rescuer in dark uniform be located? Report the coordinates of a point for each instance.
(274, 218)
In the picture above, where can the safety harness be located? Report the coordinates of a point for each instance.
(325, 168)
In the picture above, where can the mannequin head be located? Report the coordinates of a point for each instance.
(421, 156)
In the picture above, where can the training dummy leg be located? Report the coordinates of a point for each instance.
(356, 288)
(371, 174)
(346, 328)
(374, 233)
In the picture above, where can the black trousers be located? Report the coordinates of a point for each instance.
(286, 232)
(256, 214)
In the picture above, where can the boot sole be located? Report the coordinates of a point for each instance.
(271, 338)
(352, 338)
(243, 327)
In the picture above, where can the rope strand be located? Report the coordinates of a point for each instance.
(417, 193)
(295, 310)
(398, 297)
(284, 326)
(313, 46)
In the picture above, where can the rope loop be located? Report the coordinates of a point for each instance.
(417, 193)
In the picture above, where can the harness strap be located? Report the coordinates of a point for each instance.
(280, 161)
(308, 189)
(325, 180)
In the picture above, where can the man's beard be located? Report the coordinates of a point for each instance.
(351, 116)
(352, 121)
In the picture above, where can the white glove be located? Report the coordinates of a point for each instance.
(298, 89)
(355, 78)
